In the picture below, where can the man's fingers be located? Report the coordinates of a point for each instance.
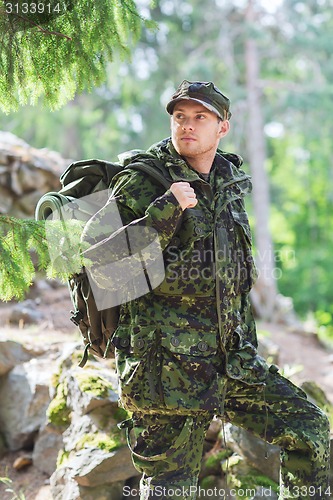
(184, 194)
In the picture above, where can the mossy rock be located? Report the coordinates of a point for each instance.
(211, 464)
(245, 478)
(58, 412)
(103, 441)
(62, 458)
(318, 396)
(92, 382)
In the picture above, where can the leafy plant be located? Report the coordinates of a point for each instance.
(15, 495)
(22, 239)
(62, 48)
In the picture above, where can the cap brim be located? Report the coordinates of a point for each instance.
(170, 106)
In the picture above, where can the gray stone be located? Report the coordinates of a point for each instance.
(83, 402)
(254, 450)
(46, 449)
(8, 139)
(93, 467)
(24, 396)
(26, 312)
(112, 491)
(268, 350)
(80, 426)
(11, 354)
(27, 201)
(26, 174)
(6, 200)
(63, 486)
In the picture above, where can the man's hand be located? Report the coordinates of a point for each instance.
(184, 194)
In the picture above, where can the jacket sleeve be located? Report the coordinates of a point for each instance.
(131, 231)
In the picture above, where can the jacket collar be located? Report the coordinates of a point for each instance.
(227, 164)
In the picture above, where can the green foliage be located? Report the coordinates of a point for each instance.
(216, 458)
(247, 480)
(62, 50)
(121, 414)
(14, 494)
(21, 239)
(17, 238)
(324, 320)
(301, 172)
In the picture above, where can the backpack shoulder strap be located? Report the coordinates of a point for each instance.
(154, 169)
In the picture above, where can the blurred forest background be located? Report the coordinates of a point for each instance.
(273, 58)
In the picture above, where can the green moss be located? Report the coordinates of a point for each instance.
(233, 461)
(62, 458)
(76, 357)
(255, 479)
(55, 379)
(217, 458)
(208, 482)
(120, 414)
(100, 440)
(58, 412)
(245, 478)
(91, 382)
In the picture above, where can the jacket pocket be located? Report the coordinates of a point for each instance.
(188, 376)
(245, 364)
(137, 362)
(167, 371)
(242, 220)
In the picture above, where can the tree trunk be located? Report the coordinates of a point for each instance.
(265, 292)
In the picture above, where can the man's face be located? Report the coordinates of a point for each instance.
(196, 131)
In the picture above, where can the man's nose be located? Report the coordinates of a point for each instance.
(188, 124)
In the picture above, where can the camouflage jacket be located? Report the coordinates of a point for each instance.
(175, 343)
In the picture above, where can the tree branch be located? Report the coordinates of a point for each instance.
(42, 30)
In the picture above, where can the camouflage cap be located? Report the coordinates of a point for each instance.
(204, 92)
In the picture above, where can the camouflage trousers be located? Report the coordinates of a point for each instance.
(168, 449)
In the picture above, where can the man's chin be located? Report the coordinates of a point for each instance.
(187, 150)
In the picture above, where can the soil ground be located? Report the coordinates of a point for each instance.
(301, 356)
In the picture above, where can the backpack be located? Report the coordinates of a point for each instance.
(80, 179)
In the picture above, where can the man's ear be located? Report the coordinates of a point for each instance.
(224, 128)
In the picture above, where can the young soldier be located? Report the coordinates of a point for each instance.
(187, 349)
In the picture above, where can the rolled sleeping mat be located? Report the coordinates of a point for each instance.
(52, 205)
(49, 205)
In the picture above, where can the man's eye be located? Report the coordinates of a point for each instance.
(179, 116)
(200, 117)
